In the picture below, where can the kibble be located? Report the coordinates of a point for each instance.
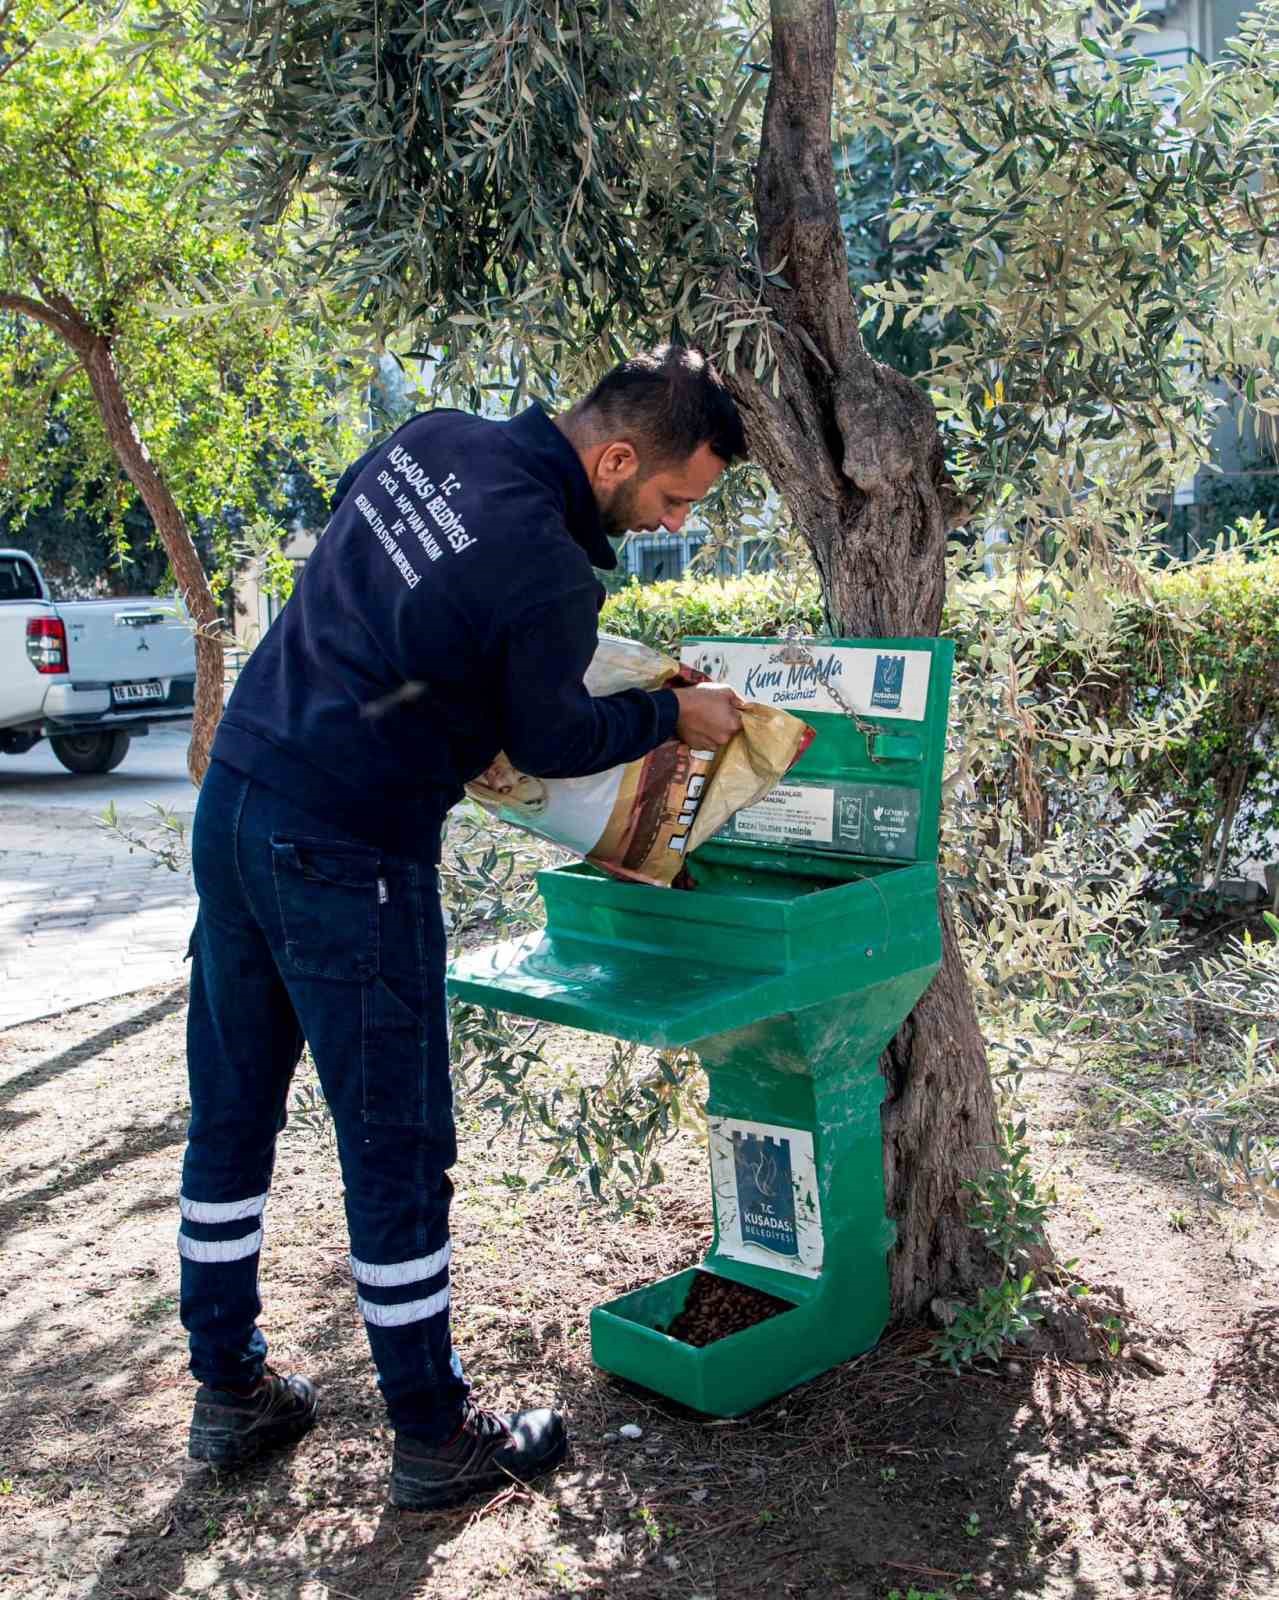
(717, 1307)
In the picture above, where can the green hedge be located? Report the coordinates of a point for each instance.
(1233, 605)
(663, 614)
(1226, 776)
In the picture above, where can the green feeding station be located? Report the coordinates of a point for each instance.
(810, 934)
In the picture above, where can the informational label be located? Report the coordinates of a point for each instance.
(789, 812)
(765, 1184)
(813, 675)
(858, 819)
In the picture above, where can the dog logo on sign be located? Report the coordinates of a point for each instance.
(890, 675)
(714, 663)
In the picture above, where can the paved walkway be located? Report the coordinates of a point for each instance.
(82, 917)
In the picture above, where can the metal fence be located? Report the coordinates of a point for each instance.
(658, 558)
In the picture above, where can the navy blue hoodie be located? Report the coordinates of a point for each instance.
(449, 611)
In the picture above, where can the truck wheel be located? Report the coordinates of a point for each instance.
(91, 752)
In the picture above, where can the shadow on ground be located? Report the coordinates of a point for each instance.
(85, 1050)
(880, 1474)
(1031, 1479)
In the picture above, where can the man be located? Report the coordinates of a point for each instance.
(448, 612)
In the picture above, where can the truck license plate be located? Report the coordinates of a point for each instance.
(121, 693)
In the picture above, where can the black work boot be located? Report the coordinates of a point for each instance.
(229, 1429)
(485, 1453)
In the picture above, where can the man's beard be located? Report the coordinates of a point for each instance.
(618, 514)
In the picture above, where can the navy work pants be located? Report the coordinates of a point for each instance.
(306, 933)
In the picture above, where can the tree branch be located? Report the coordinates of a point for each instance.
(193, 584)
(36, 267)
(728, 132)
(5, 14)
(63, 320)
(91, 211)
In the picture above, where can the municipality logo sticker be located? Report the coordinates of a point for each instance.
(890, 675)
(850, 816)
(765, 1192)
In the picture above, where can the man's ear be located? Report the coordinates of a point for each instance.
(617, 462)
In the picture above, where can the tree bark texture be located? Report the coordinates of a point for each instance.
(855, 449)
(94, 352)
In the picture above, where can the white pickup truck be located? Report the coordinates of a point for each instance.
(88, 675)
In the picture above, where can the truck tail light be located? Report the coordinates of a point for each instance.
(47, 644)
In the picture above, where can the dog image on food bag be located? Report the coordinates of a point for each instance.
(642, 820)
(513, 788)
(713, 664)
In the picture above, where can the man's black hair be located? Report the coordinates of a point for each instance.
(668, 402)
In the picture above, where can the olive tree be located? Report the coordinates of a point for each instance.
(528, 188)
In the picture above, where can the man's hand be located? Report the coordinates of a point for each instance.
(709, 715)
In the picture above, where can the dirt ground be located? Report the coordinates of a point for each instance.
(884, 1476)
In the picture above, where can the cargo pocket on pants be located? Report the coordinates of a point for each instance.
(397, 1062)
(327, 893)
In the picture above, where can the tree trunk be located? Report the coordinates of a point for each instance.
(854, 448)
(94, 352)
(170, 524)
(1223, 827)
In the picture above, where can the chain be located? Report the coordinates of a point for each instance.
(796, 652)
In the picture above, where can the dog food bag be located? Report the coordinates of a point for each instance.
(642, 820)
